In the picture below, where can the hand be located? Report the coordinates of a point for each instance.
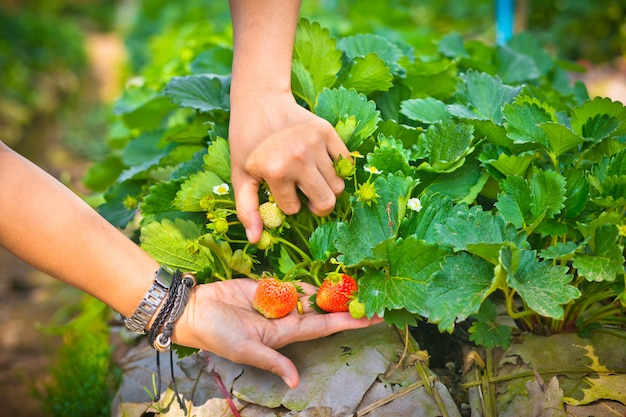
(220, 318)
(290, 149)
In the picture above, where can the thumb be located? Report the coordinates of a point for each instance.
(271, 360)
(247, 205)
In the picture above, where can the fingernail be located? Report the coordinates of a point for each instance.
(248, 234)
(288, 382)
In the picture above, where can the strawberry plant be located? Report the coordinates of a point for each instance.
(482, 178)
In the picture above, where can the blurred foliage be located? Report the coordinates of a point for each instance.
(83, 380)
(594, 31)
(41, 58)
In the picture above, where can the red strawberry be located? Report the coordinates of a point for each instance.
(275, 299)
(335, 292)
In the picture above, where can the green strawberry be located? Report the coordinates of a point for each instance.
(275, 299)
(356, 308)
(335, 292)
(271, 215)
(266, 240)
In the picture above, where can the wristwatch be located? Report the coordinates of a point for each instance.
(151, 301)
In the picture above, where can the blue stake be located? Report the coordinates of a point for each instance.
(504, 20)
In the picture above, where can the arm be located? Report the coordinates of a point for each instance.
(48, 226)
(272, 138)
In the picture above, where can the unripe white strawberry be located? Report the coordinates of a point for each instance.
(271, 215)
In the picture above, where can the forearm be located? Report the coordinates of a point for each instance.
(48, 226)
(264, 33)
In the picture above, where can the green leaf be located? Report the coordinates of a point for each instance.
(481, 96)
(451, 45)
(445, 146)
(338, 105)
(559, 251)
(174, 243)
(458, 289)
(405, 285)
(362, 45)
(462, 185)
(432, 78)
(515, 67)
(522, 119)
(561, 138)
(513, 165)
(321, 241)
(477, 231)
(606, 261)
(160, 197)
(371, 225)
(427, 110)
(390, 156)
(198, 187)
(485, 331)
(368, 74)
(544, 287)
(316, 61)
(528, 45)
(423, 224)
(523, 202)
(217, 159)
(598, 118)
(206, 93)
(576, 193)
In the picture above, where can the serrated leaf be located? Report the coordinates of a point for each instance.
(172, 243)
(321, 241)
(513, 165)
(598, 117)
(451, 45)
(198, 186)
(362, 45)
(462, 185)
(390, 156)
(206, 92)
(371, 225)
(432, 78)
(485, 332)
(217, 159)
(316, 61)
(524, 202)
(458, 290)
(477, 231)
(445, 145)
(527, 44)
(606, 261)
(160, 197)
(559, 251)
(560, 137)
(427, 110)
(515, 67)
(423, 224)
(481, 96)
(368, 74)
(411, 263)
(339, 104)
(522, 119)
(543, 286)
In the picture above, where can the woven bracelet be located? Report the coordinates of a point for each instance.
(162, 341)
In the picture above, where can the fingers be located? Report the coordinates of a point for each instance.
(247, 204)
(270, 360)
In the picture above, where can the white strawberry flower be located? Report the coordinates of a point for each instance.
(221, 189)
(372, 170)
(414, 204)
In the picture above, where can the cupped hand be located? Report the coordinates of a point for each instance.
(289, 148)
(220, 318)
